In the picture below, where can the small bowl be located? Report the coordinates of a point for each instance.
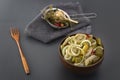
(52, 25)
(80, 69)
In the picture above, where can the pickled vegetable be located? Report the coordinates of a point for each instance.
(57, 17)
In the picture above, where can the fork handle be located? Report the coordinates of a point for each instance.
(24, 61)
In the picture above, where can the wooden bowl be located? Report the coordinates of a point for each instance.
(79, 69)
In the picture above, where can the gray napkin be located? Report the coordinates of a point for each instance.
(39, 29)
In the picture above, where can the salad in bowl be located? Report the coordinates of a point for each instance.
(81, 51)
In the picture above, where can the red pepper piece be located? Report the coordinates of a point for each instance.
(88, 36)
(58, 24)
(93, 52)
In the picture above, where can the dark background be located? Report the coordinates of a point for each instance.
(43, 59)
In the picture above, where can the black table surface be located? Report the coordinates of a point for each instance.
(43, 59)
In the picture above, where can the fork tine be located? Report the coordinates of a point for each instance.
(11, 31)
(14, 31)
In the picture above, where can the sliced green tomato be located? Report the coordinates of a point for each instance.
(78, 59)
(64, 50)
(67, 57)
(79, 62)
(85, 48)
(79, 37)
(83, 42)
(99, 42)
(93, 42)
(98, 51)
(94, 46)
(75, 51)
(72, 40)
(68, 50)
(65, 42)
(86, 44)
(73, 59)
(95, 59)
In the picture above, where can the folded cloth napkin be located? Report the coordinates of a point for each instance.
(39, 29)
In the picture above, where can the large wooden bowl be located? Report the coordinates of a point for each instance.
(80, 70)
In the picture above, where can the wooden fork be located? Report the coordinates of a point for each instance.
(15, 35)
